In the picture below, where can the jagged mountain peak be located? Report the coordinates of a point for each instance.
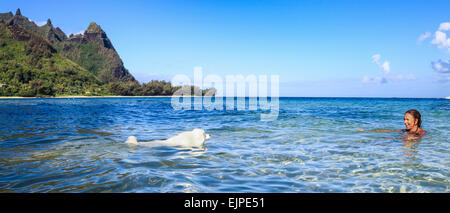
(94, 28)
(92, 50)
(6, 16)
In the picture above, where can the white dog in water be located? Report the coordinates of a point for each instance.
(194, 138)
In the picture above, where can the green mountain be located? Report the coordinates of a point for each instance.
(31, 66)
(43, 61)
(92, 50)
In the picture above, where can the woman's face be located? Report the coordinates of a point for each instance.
(409, 121)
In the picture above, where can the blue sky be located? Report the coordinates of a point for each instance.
(318, 48)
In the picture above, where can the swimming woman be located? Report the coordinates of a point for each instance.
(413, 123)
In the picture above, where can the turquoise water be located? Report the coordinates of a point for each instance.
(77, 145)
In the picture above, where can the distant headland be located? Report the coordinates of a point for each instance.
(42, 61)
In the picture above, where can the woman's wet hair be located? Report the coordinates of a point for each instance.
(416, 115)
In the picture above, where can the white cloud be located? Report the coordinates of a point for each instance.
(423, 37)
(442, 69)
(440, 40)
(440, 36)
(385, 66)
(441, 66)
(376, 58)
(387, 76)
(438, 67)
(444, 26)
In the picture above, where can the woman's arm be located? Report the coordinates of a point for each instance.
(383, 130)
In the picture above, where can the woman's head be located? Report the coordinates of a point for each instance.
(412, 119)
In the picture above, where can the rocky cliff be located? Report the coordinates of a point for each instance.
(31, 66)
(92, 50)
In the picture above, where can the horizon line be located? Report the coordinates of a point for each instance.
(18, 97)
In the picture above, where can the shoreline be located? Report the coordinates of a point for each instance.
(115, 96)
(161, 96)
(18, 97)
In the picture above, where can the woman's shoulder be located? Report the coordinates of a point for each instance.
(422, 132)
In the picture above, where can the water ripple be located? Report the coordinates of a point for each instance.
(77, 145)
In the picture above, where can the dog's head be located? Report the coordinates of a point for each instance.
(200, 136)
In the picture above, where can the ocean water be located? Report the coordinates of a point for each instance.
(77, 145)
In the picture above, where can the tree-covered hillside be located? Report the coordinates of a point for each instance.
(43, 61)
(30, 66)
